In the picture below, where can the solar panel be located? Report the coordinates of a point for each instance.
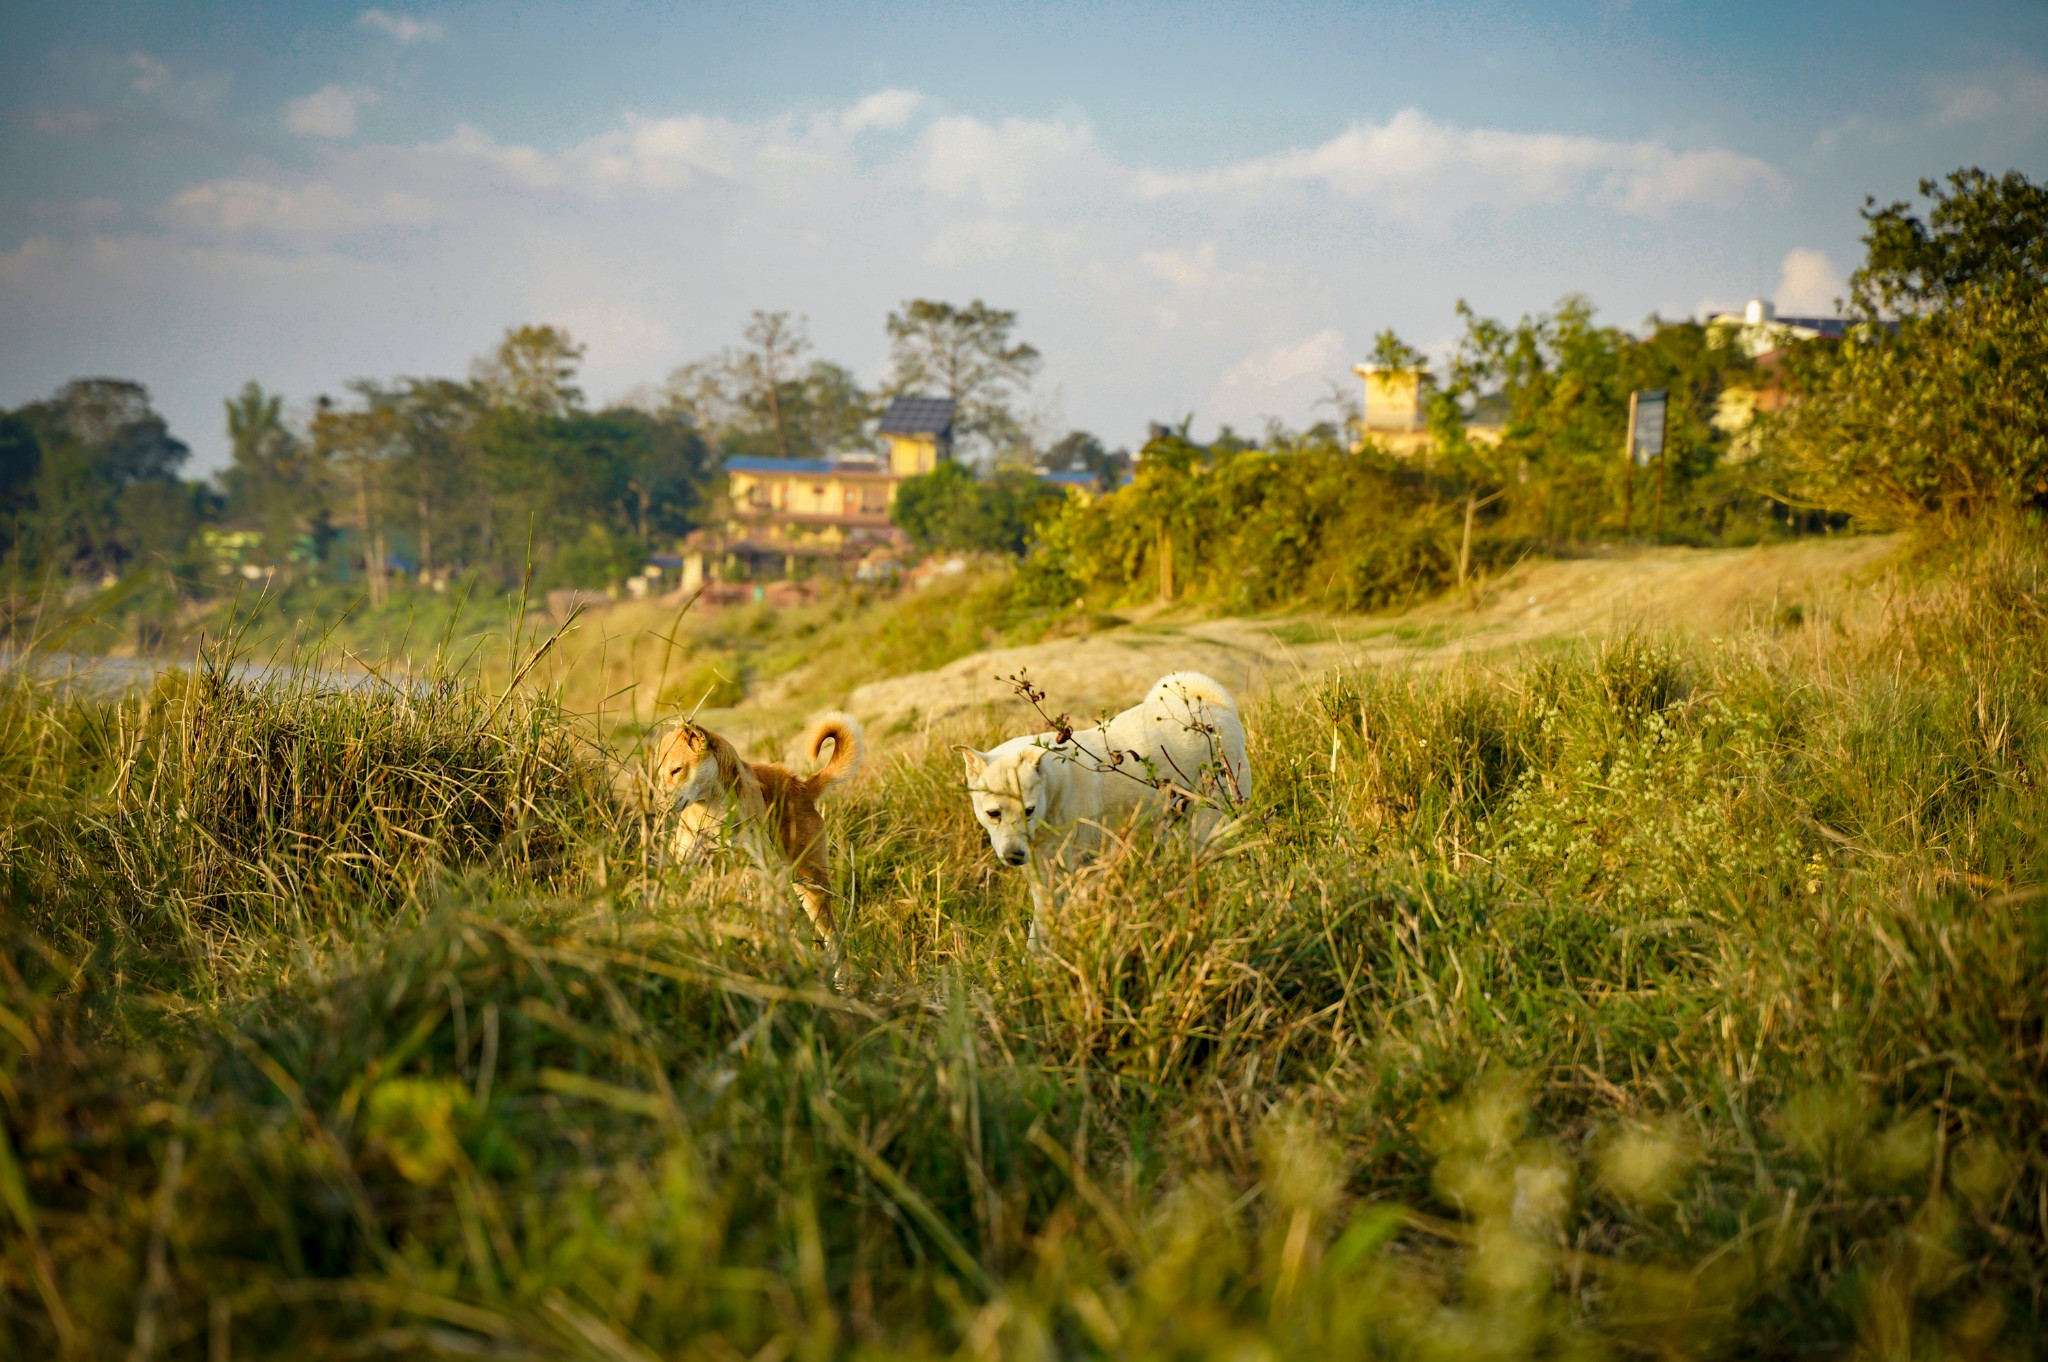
(918, 416)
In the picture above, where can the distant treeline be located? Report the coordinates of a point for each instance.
(504, 473)
(417, 474)
(1929, 411)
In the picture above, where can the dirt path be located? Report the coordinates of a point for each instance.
(1705, 591)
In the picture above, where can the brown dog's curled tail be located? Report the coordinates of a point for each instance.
(843, 732)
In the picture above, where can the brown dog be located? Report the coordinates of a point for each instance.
(710, 787)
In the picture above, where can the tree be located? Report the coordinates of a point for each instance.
(1558, 385)
(776, 346)
(1389, 351)
(1932, 428)
(950, 508)
(21, 459)
(1986, 231)
(1077, 450)
(438, 470)
(831, 410)
(362, 443)
(968, 354)
(276, 483)
(757, 402)
(533, 371)
(71, 463)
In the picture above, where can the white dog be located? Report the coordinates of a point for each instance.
(1180, 749)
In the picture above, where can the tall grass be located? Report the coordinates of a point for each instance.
(1672, 997)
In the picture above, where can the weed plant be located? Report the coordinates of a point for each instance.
(1670, 998)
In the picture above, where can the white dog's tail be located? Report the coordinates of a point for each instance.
(1188, 690)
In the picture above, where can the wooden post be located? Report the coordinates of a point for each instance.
(1465, 544)
(373, 561)
(1663, 458)
(1628, 468)
(1165, 563)
(1472, 504)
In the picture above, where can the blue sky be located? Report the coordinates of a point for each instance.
(1205, 209)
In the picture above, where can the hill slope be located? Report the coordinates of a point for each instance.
(1535, 604)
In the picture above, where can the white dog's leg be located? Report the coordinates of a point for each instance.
(1040, 876)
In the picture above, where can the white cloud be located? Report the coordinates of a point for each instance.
(329, 111)
(1809, 284)
(1187, 269)
(1001, 165)
(885, 109)
(660, 153)
(313, 210)
(1228, 291)
(151, 75)
(65, 120)
(1267, 378)
(1416, 169)
(2018, 94)
(403, 29)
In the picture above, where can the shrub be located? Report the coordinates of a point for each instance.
(950, 508)
(1943, 422)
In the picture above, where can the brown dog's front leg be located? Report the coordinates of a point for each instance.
(818, 903)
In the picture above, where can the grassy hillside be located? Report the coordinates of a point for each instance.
(1660, 996)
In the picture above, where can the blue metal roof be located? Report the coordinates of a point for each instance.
(751, 464)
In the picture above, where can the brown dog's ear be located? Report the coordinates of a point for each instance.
(977, 762)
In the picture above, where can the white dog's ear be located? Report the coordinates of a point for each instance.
(977, 762)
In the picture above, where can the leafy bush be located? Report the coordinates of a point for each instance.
(950, 508)
(1943, 422)
(1307, 522)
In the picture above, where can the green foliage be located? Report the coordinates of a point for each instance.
(1302, 520)
(276, 484)
(709, 681)
(533, 372)
(1984, 233)
(596, 558)
(1255, 528)
(1079, 452)
(450, 474)
(1558, 385)
(89, 484)
(950, 508)
(1473, 1042)
(1389, 351)
(1943, 422)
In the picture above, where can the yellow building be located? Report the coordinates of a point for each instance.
(787, 511)
(919, 433)
(825, 495)
(830, 497)
(1396, 399)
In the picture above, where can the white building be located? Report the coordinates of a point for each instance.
(1758, 328)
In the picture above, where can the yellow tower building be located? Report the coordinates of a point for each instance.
(1396, 399)
(919, 433)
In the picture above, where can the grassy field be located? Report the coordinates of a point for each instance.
(625, 661)
(1660, 996)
